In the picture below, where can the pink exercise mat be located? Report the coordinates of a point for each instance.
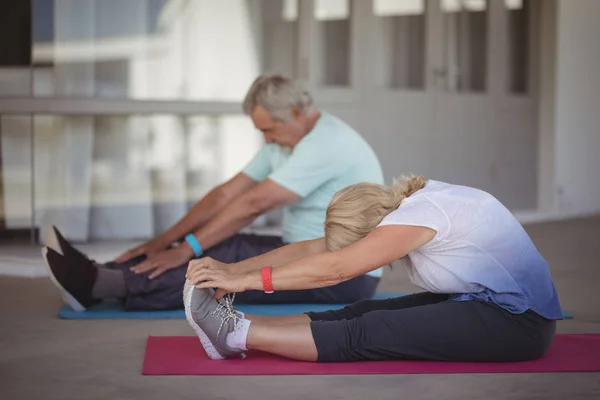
(184, 355)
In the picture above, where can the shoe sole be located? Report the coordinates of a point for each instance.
(52, 241)
(67, 297)
(212, 353)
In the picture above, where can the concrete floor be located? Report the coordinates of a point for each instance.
(43, 357)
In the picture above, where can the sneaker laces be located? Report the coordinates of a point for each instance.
(226, 312)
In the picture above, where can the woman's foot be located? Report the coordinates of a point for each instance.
(75, 281)
(212, 321)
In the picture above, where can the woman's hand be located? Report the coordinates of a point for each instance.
(209, 273)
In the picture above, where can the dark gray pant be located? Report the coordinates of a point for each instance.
(165, 291)
(428, 326)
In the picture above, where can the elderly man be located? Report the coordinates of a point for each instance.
(309, 155)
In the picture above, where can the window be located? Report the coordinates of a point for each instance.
(280, 36)
(132, 176)
(333, 41)
(402, 26)
(518, 45)
(465, 43)
(152, 49)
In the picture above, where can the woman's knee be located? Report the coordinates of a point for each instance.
(358, 309)
(362, 307)
(349, 312)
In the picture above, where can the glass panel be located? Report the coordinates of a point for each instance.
(15, 81)
(160, 49)
(280, 36)
(15, 174)
(403, 27)
(518, 45)
(333, 42)
(465, 42)
(132, 177)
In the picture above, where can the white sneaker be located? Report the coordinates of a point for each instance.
(212, 321)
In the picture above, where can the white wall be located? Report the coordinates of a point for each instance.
(578, 107)
(547, 109)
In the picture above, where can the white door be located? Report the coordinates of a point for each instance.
(484, 112)
(400, 93)
(453, 78)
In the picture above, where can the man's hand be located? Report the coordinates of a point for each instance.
(164, 261)
(149, 248)
(209, 273)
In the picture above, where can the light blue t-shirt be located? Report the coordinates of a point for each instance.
(329, 158)
(480, 251)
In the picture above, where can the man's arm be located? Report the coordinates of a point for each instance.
(198, 215)
(209, 206)
(240, 212)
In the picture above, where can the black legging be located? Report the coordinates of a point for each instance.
(428, 326)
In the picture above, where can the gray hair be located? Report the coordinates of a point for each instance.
(278, 95)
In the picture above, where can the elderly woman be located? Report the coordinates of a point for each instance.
(488, 293)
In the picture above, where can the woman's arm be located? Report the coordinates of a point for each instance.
(283, 255)
(275, 258)
(381, 247)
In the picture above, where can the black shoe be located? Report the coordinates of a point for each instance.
(75, 281)
(56, 241)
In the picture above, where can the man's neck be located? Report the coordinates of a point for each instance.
(311, 120)
(312, 117)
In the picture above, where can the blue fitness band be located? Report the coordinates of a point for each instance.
(193, 242)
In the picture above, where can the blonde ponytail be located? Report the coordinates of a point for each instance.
(406, 186)
(358, 209)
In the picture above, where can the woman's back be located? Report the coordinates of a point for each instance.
(480, 250)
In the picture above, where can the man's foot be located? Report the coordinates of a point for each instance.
(211, 320)
(75, 281)
(57, 242)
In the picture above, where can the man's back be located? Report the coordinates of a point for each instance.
(329, 158)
